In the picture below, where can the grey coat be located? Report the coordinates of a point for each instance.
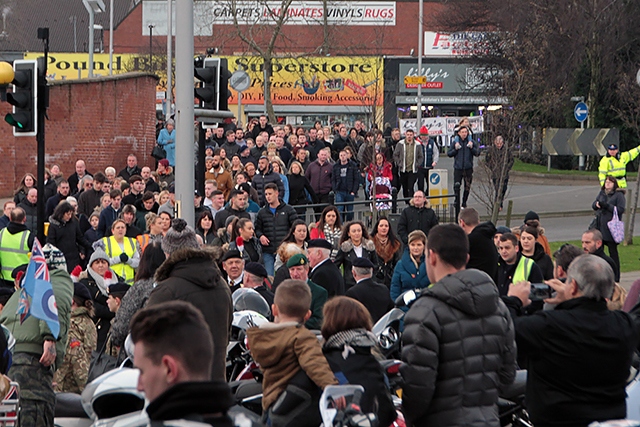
(458, 350)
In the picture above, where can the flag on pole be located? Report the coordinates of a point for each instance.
(37, 285)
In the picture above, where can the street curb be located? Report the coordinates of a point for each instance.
(558, 179)
(565, 214)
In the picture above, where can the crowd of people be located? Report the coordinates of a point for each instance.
(117, 252)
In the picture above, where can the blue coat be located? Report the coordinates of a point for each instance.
(407, 277)
(168, 142)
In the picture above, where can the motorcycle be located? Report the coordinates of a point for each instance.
(389, 327)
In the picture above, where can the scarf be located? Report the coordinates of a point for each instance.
(332, 235)
(349, 339)
(385, 250)
(99, 281)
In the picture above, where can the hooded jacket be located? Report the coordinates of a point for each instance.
(483, 254)
(191, 275)
(347, 255)
(31, 334)
(260, 181)
(459, 350)
(543, 261)
(67, 237)
(282, 349)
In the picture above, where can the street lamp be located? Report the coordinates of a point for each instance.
(93, 7)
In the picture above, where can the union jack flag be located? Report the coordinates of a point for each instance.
(37, 286)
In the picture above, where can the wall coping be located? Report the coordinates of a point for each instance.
(101, 79)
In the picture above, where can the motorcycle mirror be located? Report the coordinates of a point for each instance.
(129, 346)
(406, 298)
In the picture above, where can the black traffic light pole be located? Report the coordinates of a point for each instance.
(43, 104)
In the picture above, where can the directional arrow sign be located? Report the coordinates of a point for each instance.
(581, 112)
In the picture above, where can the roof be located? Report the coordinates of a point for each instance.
(22, 18)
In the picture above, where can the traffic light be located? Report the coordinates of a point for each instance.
(214, 86)
(24, 98)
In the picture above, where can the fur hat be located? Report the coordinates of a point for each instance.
(180, 235)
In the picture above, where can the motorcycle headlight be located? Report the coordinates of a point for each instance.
(388, 338)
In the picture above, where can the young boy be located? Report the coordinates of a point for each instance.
(285, 347)
(116, 293)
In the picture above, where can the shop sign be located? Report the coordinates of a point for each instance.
(460, 44)
(438, 78)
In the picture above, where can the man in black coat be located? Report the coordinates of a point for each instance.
(592, 244)
(53, 201)
(254, 278)
(131, 169)
(579, 354)
(273, 223)
(374, 296)
(323, 271)
(237, 206)
(482, 249)
(417, 216)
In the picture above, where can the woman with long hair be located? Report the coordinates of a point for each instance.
(348, 347)
(354, 243)
(64, 233)
(205, 228)
(236, 166)
(298, 234)
(278, 167)
(411, 270)
(166, 221)
(388, 249)
(136, 298)
(27, 182)
(610, 197)
(300, 189)
(530, 248)
(329, 228)
(242, 231)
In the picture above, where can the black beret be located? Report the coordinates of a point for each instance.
(119, 288)
(256, 269)
(231, 254)
(81, 291)
(319, 243)
(363, 263)
(18, 269)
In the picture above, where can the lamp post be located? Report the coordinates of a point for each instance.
(419, 94)
(151, 47)
(169, 97)
(111, 38)
(93, 7)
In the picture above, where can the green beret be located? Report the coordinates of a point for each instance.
(297, 259)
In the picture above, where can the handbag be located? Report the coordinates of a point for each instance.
(158, 153)
(101, 362)
(616, 227)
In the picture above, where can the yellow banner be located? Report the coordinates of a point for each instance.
(342, 80)
(320, 80)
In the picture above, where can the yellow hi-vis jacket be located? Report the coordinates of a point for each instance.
(14, 251)
(523, 270)
(617, 167)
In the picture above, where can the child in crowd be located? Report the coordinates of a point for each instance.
(114, 300)
(286, 350)
(92, 234)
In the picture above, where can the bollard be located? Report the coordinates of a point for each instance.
(509, 210)
(394, 200)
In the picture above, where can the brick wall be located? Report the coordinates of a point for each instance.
(100, 120)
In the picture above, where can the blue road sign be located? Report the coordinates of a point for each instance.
(581, 112)
(435, 179)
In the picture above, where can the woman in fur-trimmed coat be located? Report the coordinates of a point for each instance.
(354, 243)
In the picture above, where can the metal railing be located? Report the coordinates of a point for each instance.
(363, 209)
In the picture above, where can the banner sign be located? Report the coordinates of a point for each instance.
(465, 43)
(449, 78)
(442, 126)
(208, 13)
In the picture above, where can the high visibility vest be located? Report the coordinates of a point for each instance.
(617, 167)
(14, 251)
(523, 270)
(143, 241)
(122, 269)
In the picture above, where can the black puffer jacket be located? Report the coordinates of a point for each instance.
(67, 237)
(459, 350)
(412, 218)
(482, 251)
(191, 275)
(275, 227)
(260, 181)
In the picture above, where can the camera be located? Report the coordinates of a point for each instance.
(540, 291)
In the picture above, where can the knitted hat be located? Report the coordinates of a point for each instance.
(180, 235)
(54, 256)
(98, 253)
(531, 215)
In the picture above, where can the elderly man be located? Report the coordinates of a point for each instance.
(374, 296)
(579, 354)
(233, 265)
(323, 271)
(29, 204)
(74, 178)
(298, 266)
(131, 169)
(254, 278)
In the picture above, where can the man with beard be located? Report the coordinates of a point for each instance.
(237, 207)
(339, 143)
(314, 144)
(265, 176)
(221, 176)
(262, 126)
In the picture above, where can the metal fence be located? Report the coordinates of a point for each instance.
(363, 210)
